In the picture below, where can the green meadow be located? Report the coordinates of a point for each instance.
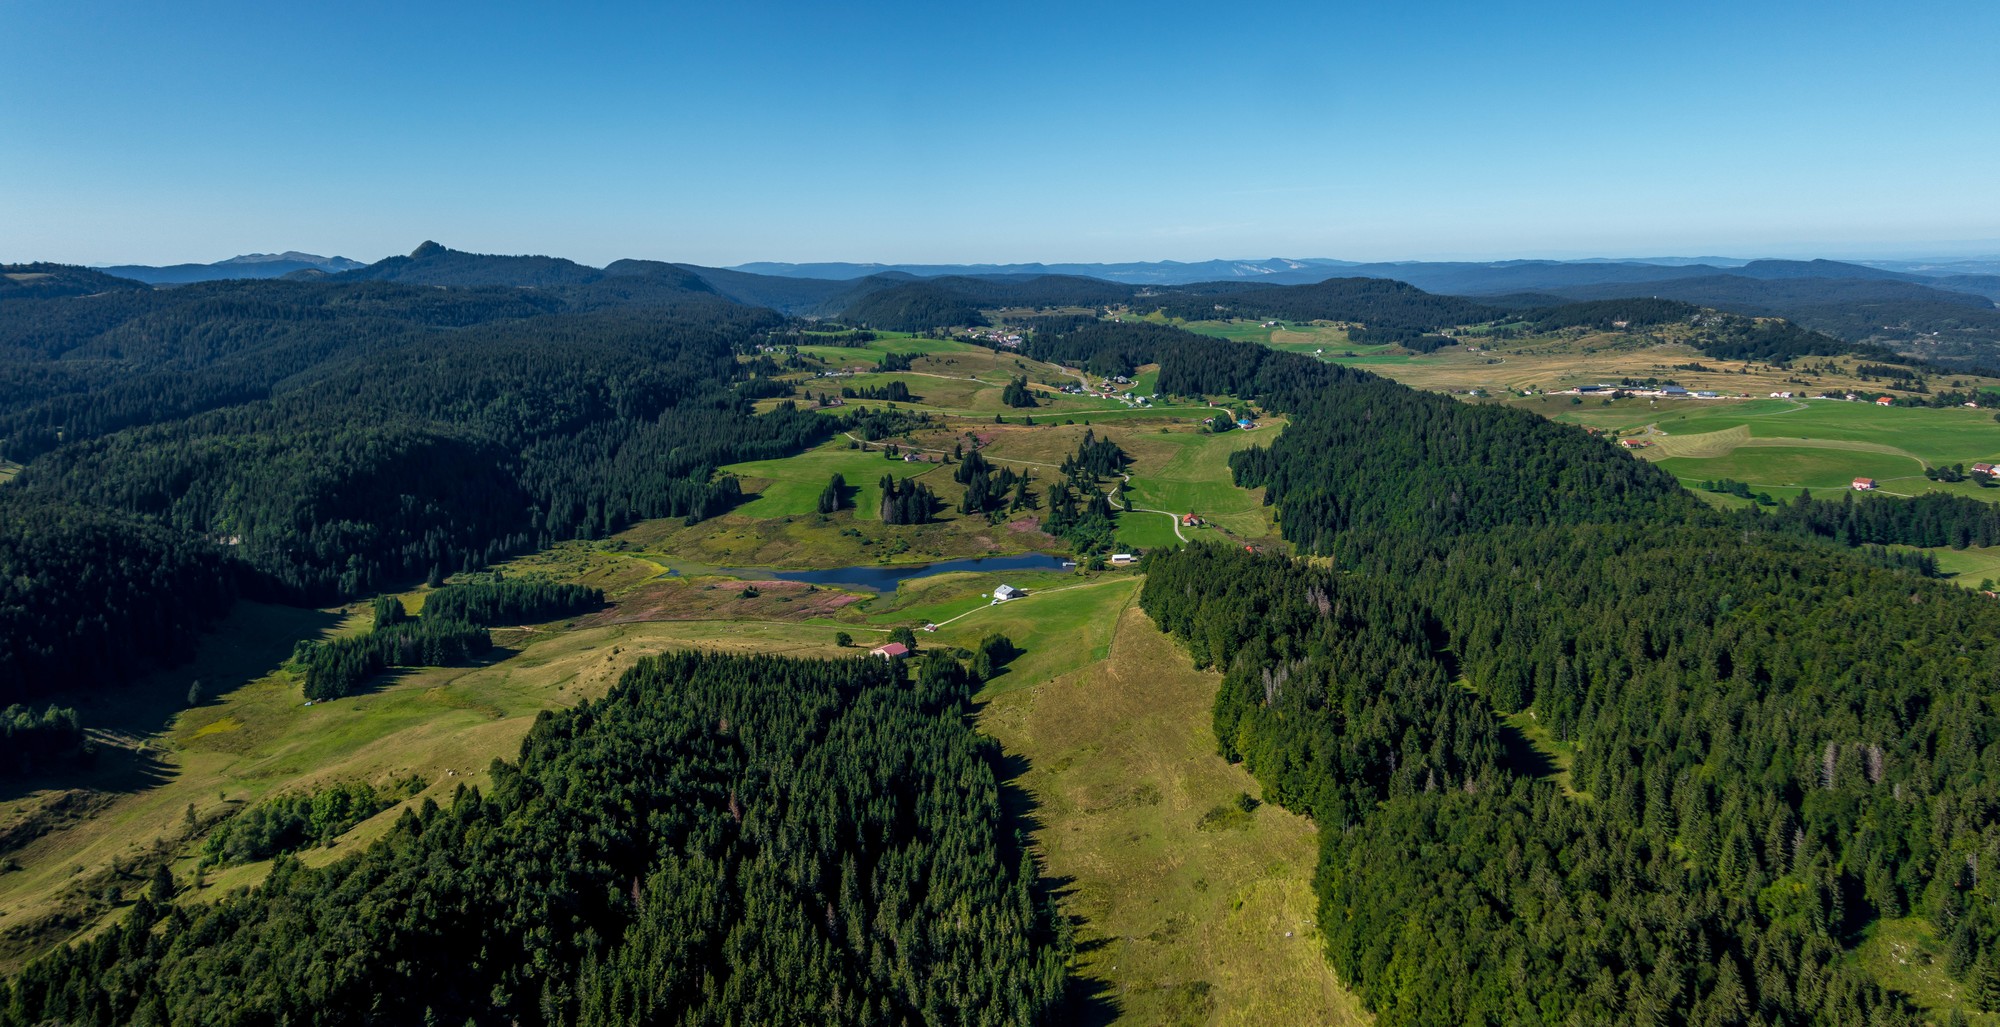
(1190, 909)
(1814, 444)
(791, 486)
(1189, 473)
(884, 344)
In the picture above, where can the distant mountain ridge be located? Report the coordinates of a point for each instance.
(248, 265)
(1942, 310)
(1153, 272)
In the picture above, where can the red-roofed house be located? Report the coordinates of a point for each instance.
(892, 651)
(1863, 484)
(1884, 401)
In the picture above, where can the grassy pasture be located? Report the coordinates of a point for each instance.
(1145, 530)
(1188, 472)
(1817, 444)
(1936, 436)
(1192, 910)
(1795, 467)
(790, 486)
(844, 540)
(871, 353)
(1970, 565)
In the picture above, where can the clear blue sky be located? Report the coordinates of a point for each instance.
(721, 133)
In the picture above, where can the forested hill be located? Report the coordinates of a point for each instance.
(1913, 316)
(1379, 303)
(1770, 743)
(944, 302)
(432, 264)
(795, 296)
(1376, 302)
(720, 840)
(1726, 336)
(49, 281)
(307, 442)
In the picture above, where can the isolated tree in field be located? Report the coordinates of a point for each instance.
(1017, 393)
(835, 496)
(843, 639)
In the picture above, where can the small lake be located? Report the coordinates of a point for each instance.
(886, 577)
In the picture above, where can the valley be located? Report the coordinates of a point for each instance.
(1193, 837)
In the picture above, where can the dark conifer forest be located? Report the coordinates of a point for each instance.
(719, 840)
(312, 442)
(1771, 742)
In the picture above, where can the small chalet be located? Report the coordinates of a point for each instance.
(1884, 401)
(1190, 521)
(1006, 592)
(1987, 469)
(892, 651)
(1864, 484)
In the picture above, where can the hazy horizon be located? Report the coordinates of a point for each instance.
(1979, 250)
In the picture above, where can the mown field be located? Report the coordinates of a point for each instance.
(871, 353)
(1790, 444)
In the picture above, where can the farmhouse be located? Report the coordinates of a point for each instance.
(1006, 592)
(1864, 484)
(1884, 401)
(1190, 521)
(1987, 469)
(892, 651)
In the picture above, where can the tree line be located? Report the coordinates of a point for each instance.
(518, 600)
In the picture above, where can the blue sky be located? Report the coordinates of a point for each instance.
(159, 133)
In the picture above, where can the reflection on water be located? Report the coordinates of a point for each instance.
(887, 577)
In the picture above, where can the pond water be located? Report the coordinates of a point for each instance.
(886, 577)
